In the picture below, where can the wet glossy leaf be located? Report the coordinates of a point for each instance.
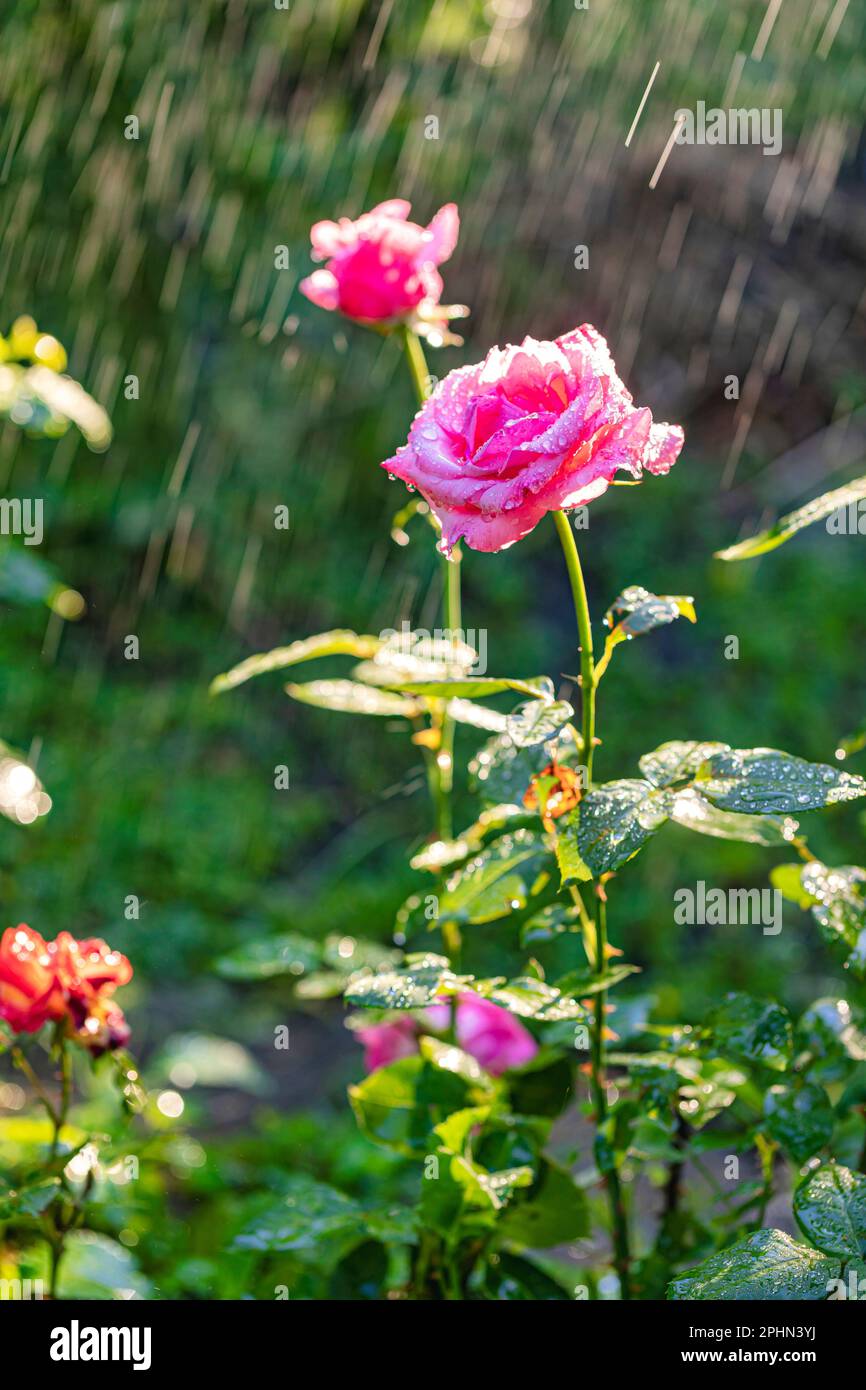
(767, 1265)
(753, 1028)
(497, 881)
(799, 1118)
(399, 1105)
(637, 611)
(448, 1057)
(503, 771)
(677, 763)
(476, 687)
(552, 921)
(531, 998)
(831, 1209)
(476, 716)
(350, 697)
(766, 781)
(694, 812)
(337, 643)
(96, 1267)
(554, 1210)
(839, 908)
(484, 1189)
(786, 878)
(266, 957)
(612, 823)
(787, 526)
(30, 1199)
(422, 979)
(307, 1213)
(535, 722)
(581, 982)
(828, 1027)
(411, 656)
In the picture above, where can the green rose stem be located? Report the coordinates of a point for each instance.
(588, 685)
(56, 1235)
(443, 763)
(451, 606)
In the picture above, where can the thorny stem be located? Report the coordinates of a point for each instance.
(58, 1240)
(588, 684)
(21, 1062)
(442, 766)
(450, 602)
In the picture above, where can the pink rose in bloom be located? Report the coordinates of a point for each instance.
(489, 1033)
(388, 1042)
(532, 429)
(381, 266)
(493, 1036)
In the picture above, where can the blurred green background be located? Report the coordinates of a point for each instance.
(155, 257)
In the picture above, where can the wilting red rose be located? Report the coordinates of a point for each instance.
(531, 429)
(30, 993)
(382, 266)
(44, 981)
(90, 971)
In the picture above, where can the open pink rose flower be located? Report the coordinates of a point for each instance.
(382, 266)
(532, 429)
(492, 1035)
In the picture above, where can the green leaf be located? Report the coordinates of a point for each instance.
(799, 1118)
(336, 643)
(499, 880)
(768, 1265)
(399, 1105)
(484, 1189)
(838, 900)
(582, 982)
(694, 812)
(829, 1027)
(677, 762)
(503, 771)
(448, 1057)
(787, 526)
(765, 780)
(535, 722)
(266, 957)
(418, 983)
(786, 878)
(640, 612)
(476, 687)
(307, 1213)
(610, 825)
(29, 1200)
(755, 1029)
(513, 1279)
(555, 1210)
(350, 697)
(412, 656)
(831, 1209)
(96, 1267)
(477, 716)
(530, 998)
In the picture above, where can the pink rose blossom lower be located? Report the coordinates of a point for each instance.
(532, 429)
(381, 266)
(492, 1035)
